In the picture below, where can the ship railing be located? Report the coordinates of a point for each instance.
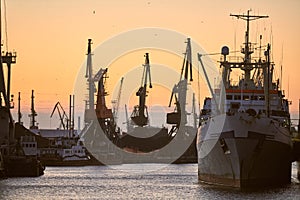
(232, 59)
(240, 59)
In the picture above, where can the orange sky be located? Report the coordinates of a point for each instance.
(50, 38)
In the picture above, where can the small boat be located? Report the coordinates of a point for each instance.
(244, 137)
(23, 166)
(21, 159)
(67, 155)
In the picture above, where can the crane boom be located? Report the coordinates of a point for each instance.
(117, 101)
(62, 115)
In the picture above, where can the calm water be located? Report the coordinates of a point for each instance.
(143, 181)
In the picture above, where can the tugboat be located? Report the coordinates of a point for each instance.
(244, 135)
(67, 155)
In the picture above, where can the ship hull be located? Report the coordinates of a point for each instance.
(145, 139)
(70, 163)
(245, 155)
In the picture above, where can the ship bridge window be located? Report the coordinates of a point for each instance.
(229, 97)
(273, 97)
(253, 97)
(237, 97)
(261, 98)
(246, 97)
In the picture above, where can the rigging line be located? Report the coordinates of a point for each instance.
(235, 30)
(5, 21)
(271, 39)
(281, 62)
(212, 54)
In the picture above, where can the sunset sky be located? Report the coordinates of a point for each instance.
(50, 38)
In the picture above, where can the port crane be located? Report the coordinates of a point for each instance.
(179, 92)
(104, 114)
(90, 104)
(139, 115)
(116, 102)
(62, 116)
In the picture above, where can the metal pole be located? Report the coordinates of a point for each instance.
(19, 108)
(70, 116)
(73, 115)
(299, 117)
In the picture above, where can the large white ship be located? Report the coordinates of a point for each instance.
(244, 137)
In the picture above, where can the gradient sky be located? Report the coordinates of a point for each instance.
(50, 37)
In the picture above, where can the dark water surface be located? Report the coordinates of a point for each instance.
(131, 181)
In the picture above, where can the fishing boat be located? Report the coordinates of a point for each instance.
(244, 135)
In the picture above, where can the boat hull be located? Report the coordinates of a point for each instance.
(244, 158)
(57, 162)
(22, 166)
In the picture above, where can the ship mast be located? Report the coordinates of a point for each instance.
(248, 50)
(247, 65)
(19, 108)
(89, 106)
(6, 121)
(33, 113)
(89, 76)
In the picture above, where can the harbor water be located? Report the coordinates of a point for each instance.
(132, 181)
